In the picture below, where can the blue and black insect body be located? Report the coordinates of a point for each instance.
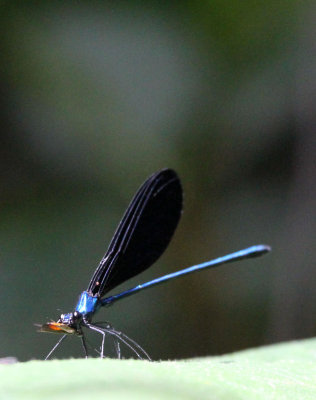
(141, 237)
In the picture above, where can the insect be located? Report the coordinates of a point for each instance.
(141, 237)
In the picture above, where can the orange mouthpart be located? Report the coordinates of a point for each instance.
(57, 327)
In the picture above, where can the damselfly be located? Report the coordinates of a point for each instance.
(141, 237)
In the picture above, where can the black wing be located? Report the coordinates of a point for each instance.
(143, 234)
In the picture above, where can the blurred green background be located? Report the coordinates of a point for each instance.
(98, 95)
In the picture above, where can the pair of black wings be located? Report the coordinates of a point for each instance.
(143, 233)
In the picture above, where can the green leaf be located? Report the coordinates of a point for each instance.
(282, 371)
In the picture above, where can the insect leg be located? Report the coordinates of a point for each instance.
(84, 345)
(102, 332)
(119, 335)
(55, 347)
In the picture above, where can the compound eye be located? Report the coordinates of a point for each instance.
(77, 315)
(61, 318)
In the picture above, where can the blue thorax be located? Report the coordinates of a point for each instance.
(87, 304)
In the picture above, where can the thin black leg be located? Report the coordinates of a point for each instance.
(119, 336)
(126, 340)
(117, 348)
(102, 332)
(130, 343)
(84, 345)
(106, 326)
(55, 347)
